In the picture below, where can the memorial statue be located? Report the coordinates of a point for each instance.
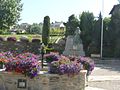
(74, 44)
(76, 38)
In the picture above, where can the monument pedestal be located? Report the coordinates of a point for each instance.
(73, 52)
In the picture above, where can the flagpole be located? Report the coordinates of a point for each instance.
(101, 49)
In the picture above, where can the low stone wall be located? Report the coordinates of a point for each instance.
(11, 81)
(20, 47)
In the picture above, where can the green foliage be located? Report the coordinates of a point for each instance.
(53, 39)
(57, 32)
(35, 29)
(9, 13)
(46, 30)
(71, 25)
(96, 36)
(86, 26)
(1, 32)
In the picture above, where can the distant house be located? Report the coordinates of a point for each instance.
(13, 30)
(24, 26)
(19, 28)
(58, 25)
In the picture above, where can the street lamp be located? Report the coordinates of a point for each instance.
(42, 53)
(102, 12)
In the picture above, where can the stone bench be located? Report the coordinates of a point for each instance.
(44, 81)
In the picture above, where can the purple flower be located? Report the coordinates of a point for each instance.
(26, 63)
(70, 65)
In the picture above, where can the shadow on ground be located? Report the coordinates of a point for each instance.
(107, 67)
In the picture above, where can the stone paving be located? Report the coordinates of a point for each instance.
(105, 77)
(92, 88)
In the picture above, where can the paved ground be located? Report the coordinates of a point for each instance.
(105, 85)
(105, 77)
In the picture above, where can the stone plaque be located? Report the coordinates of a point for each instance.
(22, 83)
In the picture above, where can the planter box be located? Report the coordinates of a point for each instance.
(12, 81)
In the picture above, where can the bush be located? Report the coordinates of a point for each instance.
(36, 40)
(24, 39)
(1, 32)
(1, 39)
(13, 39)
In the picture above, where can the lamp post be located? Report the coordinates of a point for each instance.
(101, 49)
(42, 53)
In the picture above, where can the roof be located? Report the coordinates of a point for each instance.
(58, 24)
(114, 7)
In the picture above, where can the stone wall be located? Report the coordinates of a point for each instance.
(20, 47)
(11, 81)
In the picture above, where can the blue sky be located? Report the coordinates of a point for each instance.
(34, 11)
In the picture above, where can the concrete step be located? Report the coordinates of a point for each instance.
(93, 88)
(103, 78)
(106, 61)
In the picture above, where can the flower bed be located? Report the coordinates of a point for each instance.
(4, 58)
(59, 64)
(63, 73)
(26, 63)
(88, 64)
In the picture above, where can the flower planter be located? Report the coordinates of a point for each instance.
(13, 81)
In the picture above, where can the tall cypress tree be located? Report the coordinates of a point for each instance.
(86, 26)
(46, 30)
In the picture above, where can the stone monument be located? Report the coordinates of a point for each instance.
(74, 45)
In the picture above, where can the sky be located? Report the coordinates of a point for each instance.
(34, 11)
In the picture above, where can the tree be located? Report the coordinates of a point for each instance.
(71, 25)
(86, 26)
(46, 30)
(35, 29)
(96, 36)
(9, 13)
